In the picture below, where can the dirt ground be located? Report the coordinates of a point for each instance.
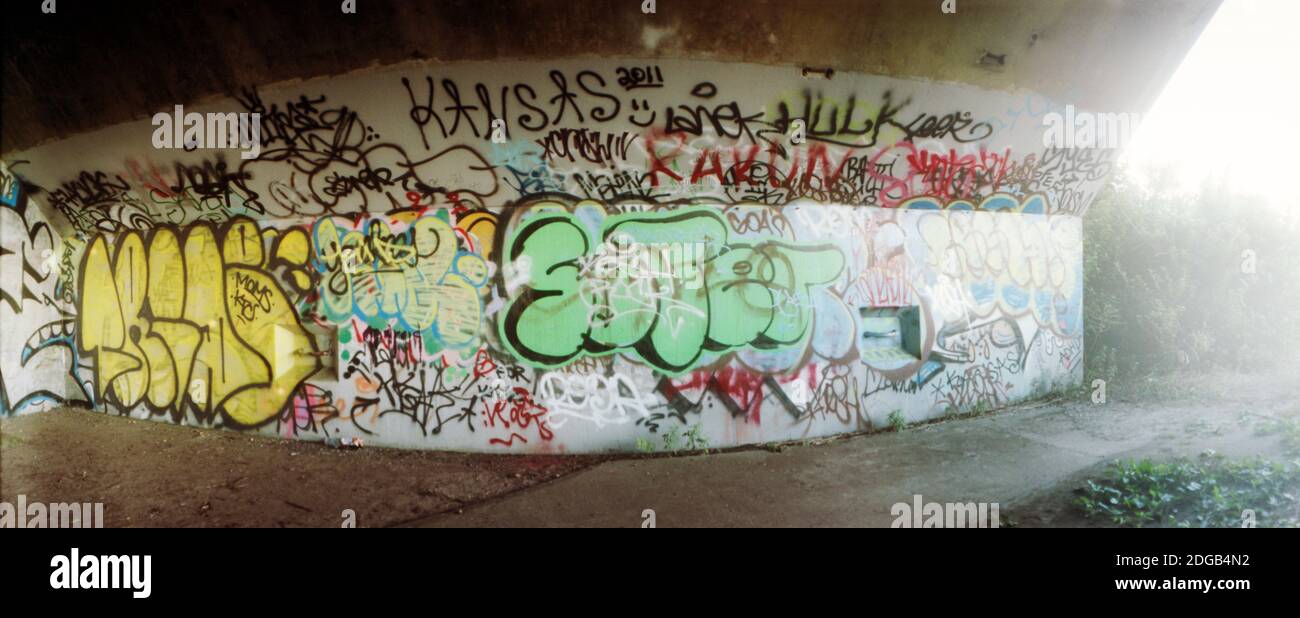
(1029, 458)
(158, 474)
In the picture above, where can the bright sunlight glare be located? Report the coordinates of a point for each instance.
(1227, 112)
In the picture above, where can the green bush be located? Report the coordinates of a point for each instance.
(1164, 287)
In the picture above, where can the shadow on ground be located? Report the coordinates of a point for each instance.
(157, 474)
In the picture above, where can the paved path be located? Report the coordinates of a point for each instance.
(1011, 457)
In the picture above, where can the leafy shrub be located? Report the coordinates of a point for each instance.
(1164, 287)
(1211, 492)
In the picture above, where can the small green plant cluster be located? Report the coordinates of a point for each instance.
(645, 445)
(693, 439)
(672, 439)
(1210, 492)
(1288, 429)
(897, 421)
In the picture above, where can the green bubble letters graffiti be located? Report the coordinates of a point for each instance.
(749, 293)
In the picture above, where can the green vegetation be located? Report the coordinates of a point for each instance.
(896, 420)
(644, 445)
(672, 439)
(695, 438)
(1212, 492)
(1183, 283)
(1177, 283)
(1288, 428)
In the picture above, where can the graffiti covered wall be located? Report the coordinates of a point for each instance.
(37, 306)
(561, 257)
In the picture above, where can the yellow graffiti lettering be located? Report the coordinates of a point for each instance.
(200, 323)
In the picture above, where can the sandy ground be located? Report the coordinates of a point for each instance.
(1028, 459)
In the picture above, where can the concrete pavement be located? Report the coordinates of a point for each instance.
(1006, 457)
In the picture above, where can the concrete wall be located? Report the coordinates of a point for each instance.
(98, 64)
(37, 304)
(385, 270)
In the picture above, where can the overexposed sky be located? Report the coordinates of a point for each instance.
(1233, 107)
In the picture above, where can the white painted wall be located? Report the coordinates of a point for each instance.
(999, 293)
(35, 371)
